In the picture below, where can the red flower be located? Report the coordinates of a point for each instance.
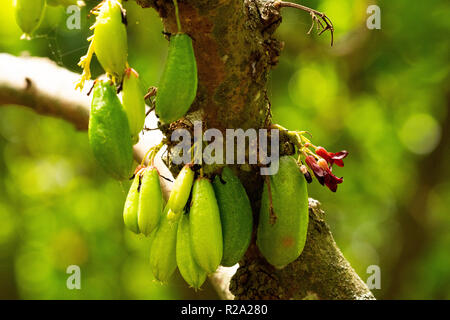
(332, 157)
(323, 174)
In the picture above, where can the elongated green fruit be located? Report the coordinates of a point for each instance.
(110, 38)
(133, 102)
(189, 269)
(29, 14)
(283, 241)
(163, 249)
(178, 85)
(206, 229)
(109, 42)
(150, 201)
(235, 215)
(130, 211)
(109, 132)
(180, 192)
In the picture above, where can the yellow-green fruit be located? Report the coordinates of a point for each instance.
(282, 242)
(150, 201)
(189, 269)
(163, 249)
(235, 215)
(29, 14)
(206, 229)
(109, 132)
(178, 85)
(130, 210)
(110, 38)
(133, 102)
(180, 192)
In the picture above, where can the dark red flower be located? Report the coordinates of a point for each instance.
(331, 181)
(323, 175)
(316, 169)
(331, 157)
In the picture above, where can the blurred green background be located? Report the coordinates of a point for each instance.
(383, 95)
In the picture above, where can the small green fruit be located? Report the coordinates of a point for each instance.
(29, 14)
(206, 228)
(110, 38)
(180, 192)
(235, 215)
(178, 85)
(109, 132)
(189, 269)
(163, 249)
(282, 242)
(130, 211)
(133, 102)
(150, 201)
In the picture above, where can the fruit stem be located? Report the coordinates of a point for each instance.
(177, 16)
(151, 153)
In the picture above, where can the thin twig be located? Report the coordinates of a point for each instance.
(150, 92)
(314, 15)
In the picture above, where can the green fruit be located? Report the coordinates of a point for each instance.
(109, 132)
(29, 14)
(163, 249)
(110, 38)
(133, 102)
(235, 215)
(282, 242)
(189, 269)
(178, 85)
(180, 192)
(150, 201)
(109, 42)
(130, 211)
(206, 229)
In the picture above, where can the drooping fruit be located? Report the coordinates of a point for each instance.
(133, 102)
(29, 14)
(178, 85)
(109, 132)
(163, 249)
(206, 228)
(150, 201)
(282, 233)
(191, 272)
(235, 216)
(180, 192)
(130, 211)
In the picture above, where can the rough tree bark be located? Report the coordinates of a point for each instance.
(235, 50)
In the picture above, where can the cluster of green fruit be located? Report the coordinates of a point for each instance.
(112, 53)
(206, 224)
(29, 13)
(115, 125)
